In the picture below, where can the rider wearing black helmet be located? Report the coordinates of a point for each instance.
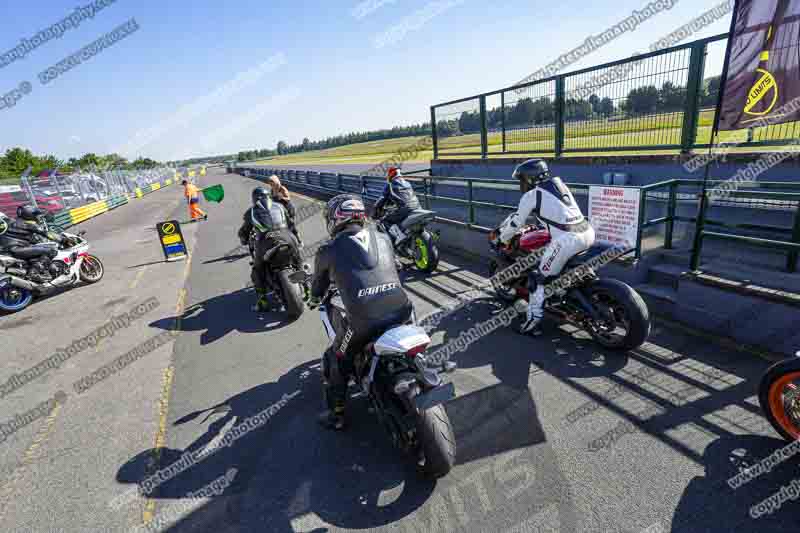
(28, 239)
(546, 197)
(359, 260)
(274, 222)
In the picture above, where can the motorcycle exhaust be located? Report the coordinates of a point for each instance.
(23, 284)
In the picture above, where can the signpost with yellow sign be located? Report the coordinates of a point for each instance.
(171, 238)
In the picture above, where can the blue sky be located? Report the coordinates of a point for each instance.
(332, 77)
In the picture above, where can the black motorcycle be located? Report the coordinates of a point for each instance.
(412, 240)
(406, 394)
(279, 262)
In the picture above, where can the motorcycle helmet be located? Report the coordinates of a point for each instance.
(5, 222)
(343, 210)
(530, 173)
(260, 196)
(29, 213)
(393, 173)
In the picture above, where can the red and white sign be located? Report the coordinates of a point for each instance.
(614, 214)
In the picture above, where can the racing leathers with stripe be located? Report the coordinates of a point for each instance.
(553, 204)
(359, 261)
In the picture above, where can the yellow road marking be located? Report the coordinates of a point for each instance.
(148, 513)
(161, 437)
(138, 277)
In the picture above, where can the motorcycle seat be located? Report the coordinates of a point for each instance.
(587, 255)
(418, 216)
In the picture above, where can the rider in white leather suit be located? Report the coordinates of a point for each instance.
(553, 204)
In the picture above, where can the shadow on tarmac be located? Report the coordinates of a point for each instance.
(288, 466)
(709, 503)
(223, 314)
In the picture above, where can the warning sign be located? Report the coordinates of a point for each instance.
(614, 214)
(171, 238)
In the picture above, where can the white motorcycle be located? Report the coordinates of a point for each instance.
(20, 280)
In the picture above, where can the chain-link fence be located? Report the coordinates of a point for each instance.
(55, 191)
(662, 101)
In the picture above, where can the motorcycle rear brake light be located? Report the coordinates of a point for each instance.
(416, 350)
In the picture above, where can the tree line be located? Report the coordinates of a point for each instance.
(16, 160)
(526, 112)
(283, 148)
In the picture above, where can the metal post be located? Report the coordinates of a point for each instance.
(338, 182)
(26, 183)
(54, 179)
(503, 118)
(434, 134)
(425, 194)
(673, 197)
(559, 104)
(484, 133)
(693, 86)
(642, 212)
(791, 264)
(471, 219)
(701, 215)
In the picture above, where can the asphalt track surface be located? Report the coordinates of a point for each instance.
(526, 460)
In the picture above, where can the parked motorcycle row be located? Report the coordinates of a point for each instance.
(21, 281)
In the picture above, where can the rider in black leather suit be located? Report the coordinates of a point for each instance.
(26, 239)
(359, 260)
(273, 218)
(400, 194)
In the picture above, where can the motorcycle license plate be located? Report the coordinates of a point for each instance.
(436, 396)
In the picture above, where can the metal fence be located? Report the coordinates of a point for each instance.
(764, 217)
(57, 192)
(655, 101)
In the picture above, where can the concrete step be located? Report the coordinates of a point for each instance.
(657, 293)
(675, 257)
(666, 274)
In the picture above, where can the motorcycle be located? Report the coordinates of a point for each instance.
(779, 396)
(20, 280)
(612, 312)
(280, 272)
(405, 393)
(412, 240)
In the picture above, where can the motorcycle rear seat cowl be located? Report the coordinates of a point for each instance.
(587, 255)
(417, 216)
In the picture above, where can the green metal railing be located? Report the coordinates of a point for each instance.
(654, 101)
(771, 195)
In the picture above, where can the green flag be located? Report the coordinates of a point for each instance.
(215, 193)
